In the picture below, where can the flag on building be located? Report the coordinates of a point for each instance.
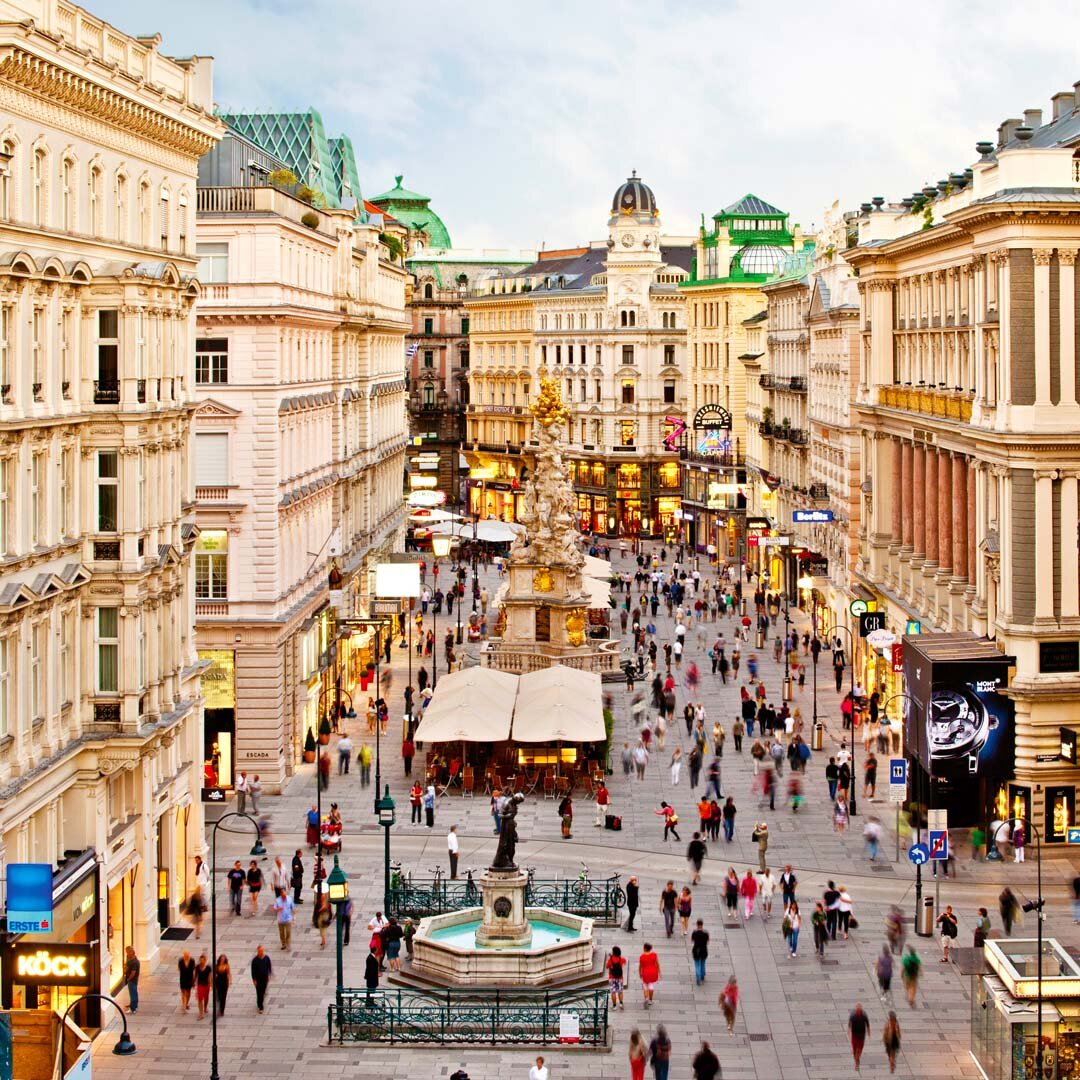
(411, 350)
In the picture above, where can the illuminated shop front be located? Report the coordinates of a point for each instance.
(218, 685)
(120, 923)
(494, 498)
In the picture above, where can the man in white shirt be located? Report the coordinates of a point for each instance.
(280, 878)
(539, 1071)
(453, 847)
(242, 793)
(843, 756)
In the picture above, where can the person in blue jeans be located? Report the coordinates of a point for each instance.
(660, 1053)
(729, 819)
(131, 978)
(795, 920)
(699, 950)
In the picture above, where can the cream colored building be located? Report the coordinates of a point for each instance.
(967, 400)
(100, 713)
(299, 453)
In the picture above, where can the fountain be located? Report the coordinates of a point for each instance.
(503, 942)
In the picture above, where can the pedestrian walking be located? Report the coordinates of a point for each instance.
(946, 921)
(668, 903)
(819, 927)
(615, 966)
(237, 878)
(699, 950)
(731, 892)
(891, 1038)
(453, 848)
(204, 973)
(283, 908)
(676, 765)
(261, 972)
(660, 1051)
(872, 836)
(794, 924)
(241, 793)
(639, 1053)
(706, 1064)
(844, 907)
(633, 896)
(429, 806)
(858, 1029)
(910, 969)
(641, 759)
(344, 754)
(297, 869)
(760, 836)
(884, 968)
(766, 890)
(831, 899)
(371, 971)
(671, 819)
(566, 815)
(748, 891)
(324, 770)
(788, 884)
(648, 973)
(186, 967)
(539, 1071)
(322, 915)
(729, 819)
(1018, 840)
(729, 1002)
(982, 928)
(254, 884)
(684, 906)
(222, 982)
(1009, 907)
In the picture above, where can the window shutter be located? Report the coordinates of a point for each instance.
(211, 459)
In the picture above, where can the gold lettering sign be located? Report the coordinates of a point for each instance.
(219, 679)
(575, 626)
(62, 965)
(542, 580)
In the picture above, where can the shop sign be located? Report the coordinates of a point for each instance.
(818, 567)
(897, 657)
(53, 965)
(1068, 745)
(814, 517)
(676, 426)
(775, 541)
(29, 898)
(869, 621)
(426, 498)
(213, 794)
(218, 682)
(1059, 657)
(913, 627)
(880, 639)
(1047, 759)
(858, 607)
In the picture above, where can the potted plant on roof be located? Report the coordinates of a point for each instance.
(309, 746)
(324, 730)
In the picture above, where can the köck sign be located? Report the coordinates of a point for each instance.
(55, 965)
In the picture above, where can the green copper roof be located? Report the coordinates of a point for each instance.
(412, 209)
(299, 139)
(751, 205)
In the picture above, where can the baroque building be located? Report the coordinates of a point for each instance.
(100, 708)
(967, 401)
(299, 433)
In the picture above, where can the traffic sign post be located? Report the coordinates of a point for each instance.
(918, 854)
(897, 792)
(939, 845)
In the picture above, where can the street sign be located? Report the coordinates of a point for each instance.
(1072, 835)
(869, 621)
(812, 516)
(939, 844)
(937, 820)
(897, 793)
(857, 607)
(898, 770)
(918, 854)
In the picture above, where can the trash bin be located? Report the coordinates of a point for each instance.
(926, 918)
(760, 639)
(742, 606)
(818, 737)
(789, 683)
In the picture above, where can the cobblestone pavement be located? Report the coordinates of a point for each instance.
(793, 1012)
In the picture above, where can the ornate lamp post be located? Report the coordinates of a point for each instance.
(337, 885)
(124, 1046)
(385, 810)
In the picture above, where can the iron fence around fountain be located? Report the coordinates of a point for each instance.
(470, 1016)
(599, 900)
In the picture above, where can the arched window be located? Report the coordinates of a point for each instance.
(182, 220)
(67, 194)
(121, 208)
(429, 292)
(97, 202)
(144, 210)
(7, 180)
(163, 219)
(41, 187)
(623, 319)
(633, 318)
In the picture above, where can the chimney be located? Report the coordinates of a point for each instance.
(1033, 118)
(1063, 103)
(1006, 130)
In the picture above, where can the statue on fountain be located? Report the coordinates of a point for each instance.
(504, 855)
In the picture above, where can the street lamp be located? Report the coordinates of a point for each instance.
(124, 1046)
(440, 547)
(385, 809)
(808, 583)
(337, 885)
(787, 651)
(214, 1074)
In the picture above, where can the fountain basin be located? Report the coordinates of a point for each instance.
(560, 947)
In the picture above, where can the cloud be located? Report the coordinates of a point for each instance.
(519, 122)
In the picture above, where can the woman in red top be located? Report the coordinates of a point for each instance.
(649, 973)
(729, 1002)
(748, 891)
(603, 800)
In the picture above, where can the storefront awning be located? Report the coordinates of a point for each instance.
(559, 704)
(474, 705)
(597, 568)
(490, 531)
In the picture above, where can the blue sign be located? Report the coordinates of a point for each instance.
(1072, 835)
(939, 844)
(29, 898)
(898, 770)
(815, 517)
(918, 854)
(913, 627)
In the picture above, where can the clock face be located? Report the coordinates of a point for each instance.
(627, 239)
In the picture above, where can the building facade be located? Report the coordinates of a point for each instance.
(746, 244)
(299, 446)
(967, 402)
(100, 708)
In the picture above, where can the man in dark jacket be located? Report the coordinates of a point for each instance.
(261, 971)
(632, 900)
(706, 1063)
(371, 972)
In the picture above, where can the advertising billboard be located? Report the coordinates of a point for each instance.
(29, 898)
(958, 723)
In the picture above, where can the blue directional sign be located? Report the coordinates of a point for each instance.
(918, 854)
(939, 844)
(812, 516)
(898, 770)
(1072, 835)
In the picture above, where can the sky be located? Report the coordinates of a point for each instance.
(520, 120)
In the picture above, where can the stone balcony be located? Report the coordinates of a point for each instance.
(947, 404)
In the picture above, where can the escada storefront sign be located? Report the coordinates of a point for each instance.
(61, 965)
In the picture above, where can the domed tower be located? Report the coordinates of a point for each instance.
(633, 248)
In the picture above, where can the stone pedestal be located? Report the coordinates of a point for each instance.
(503, 922)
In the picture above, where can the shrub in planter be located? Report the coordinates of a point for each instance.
(324, 731)
(309, 746)
(310, 219)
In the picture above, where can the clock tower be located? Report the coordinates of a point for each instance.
(633, 250)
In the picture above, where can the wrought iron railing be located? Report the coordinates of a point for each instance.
(598, 900)
(467, 1016)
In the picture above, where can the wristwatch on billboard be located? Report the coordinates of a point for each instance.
(957, 727)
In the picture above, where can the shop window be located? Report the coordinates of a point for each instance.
(599, 475)
(629, 476)
(627, 431)
(669, 474)
(628, 392)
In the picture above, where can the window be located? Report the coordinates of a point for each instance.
(429, 291)
(182, 221)
(628, 392)
(212, 565)
(108, 489)
(7, 347)
(211, 361)
(163, 221)
(107, 387)
(628, 354)
(213, 262)
(7, 183)
(583, 422)
(108, 650)
(67, 195)
(5, 686)
(211, 459)
(38, 498)
(628, 476)
(41, 160)
(669, 474)
(429, 395)
(67, 354)
(121, 208)
(596, 386)
(558, 354)
(465, 324)
(429, 326)
(584, 392)
(144, 219)
(67, 659)
(429, 358)
(669, 354)
(6, 514)
(627, 429)
(669, 393)
(37, 351)
(66, 492)
(37, 671)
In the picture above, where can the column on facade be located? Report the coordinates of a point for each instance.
(1067, 325)
(1070, 561)
(1044, 543)
(909, 476)
(1042, 325)
(959, 512)
(918, 506)
(944, 507)
(897, 491)
(974, 529)
(928, 496)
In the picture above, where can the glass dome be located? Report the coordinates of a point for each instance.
(761, 258)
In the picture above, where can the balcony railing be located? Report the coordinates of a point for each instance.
(211, 607)
(948, 404)
(140, 391)
(106, 392)
(250, 200)
(819, 492)
(767, 382)
(797, 383)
